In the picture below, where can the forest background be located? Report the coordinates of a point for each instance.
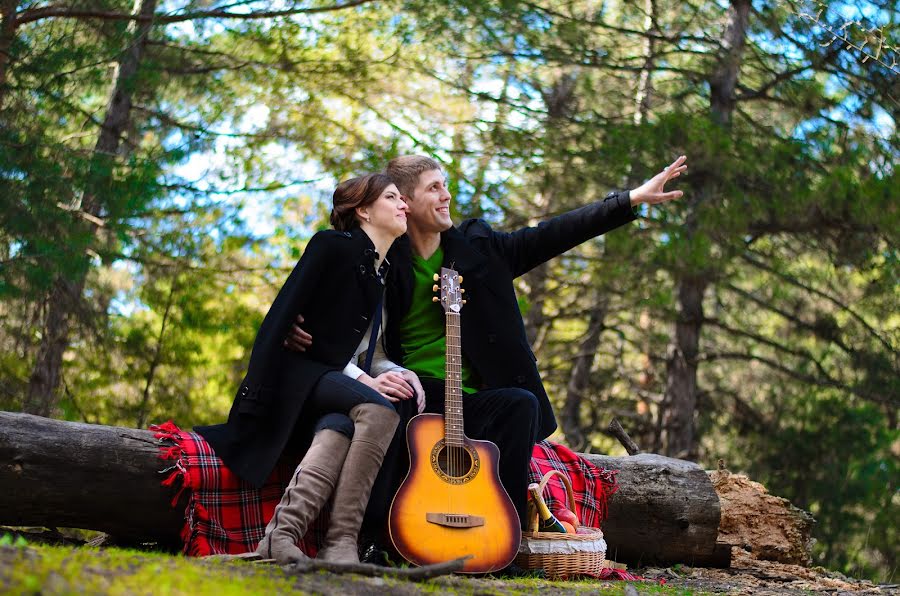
(162, 164)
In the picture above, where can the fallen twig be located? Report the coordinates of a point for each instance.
(411, 573)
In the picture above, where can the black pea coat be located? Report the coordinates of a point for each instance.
(335, 288)
(492, 330)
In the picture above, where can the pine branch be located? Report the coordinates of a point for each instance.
(799, 353)
(809, 379)
(816, 332)
(816, 292)
(874, 36)
(56, 11)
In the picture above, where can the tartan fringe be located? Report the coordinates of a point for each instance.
(170, 439)
(609, 486)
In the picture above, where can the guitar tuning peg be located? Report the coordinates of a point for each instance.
(436, 277)
(464, 301)
(462, 290)
(434, 299)
(460, 279)
(434, 288)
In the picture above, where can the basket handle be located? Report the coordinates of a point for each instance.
(570, 494)
(533, 519)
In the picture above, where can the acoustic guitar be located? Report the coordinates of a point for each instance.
(451, 503)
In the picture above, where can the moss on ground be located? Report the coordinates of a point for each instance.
(42, 569)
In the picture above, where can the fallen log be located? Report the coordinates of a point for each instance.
(665, 511)
(75, 475)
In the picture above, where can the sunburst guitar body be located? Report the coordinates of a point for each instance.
(452, 503)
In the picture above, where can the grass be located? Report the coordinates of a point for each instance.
(43, 569)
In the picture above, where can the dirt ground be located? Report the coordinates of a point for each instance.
(748, 575)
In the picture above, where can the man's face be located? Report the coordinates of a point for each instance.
(429, 207)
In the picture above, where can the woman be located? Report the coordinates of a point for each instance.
(302, 401)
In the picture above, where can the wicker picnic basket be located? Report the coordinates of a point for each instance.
(561, 555)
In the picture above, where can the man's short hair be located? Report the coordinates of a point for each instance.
(405, 170)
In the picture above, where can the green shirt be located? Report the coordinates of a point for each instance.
(422, 330)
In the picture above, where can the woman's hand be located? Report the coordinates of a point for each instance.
(392, 385)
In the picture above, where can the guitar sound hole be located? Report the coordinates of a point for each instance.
(455, 462)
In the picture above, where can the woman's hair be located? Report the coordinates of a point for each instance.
(406, 169)
(355, 192)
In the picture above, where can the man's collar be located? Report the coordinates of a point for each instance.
(460, 254)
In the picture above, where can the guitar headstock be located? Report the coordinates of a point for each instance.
(450, 290)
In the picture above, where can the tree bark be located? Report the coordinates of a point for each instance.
(723, 81)
(66, 292)
(580, 378)
(679, 438)
(7, 37)
(681, 384)
(645, 82)
(69, 474)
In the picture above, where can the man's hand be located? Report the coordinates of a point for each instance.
(297, 339)
(413, 380)
(391, 385)
(651, 191)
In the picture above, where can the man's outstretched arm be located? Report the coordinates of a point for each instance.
(527, 248)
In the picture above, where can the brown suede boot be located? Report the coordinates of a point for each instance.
(374, 427)
(308, 491)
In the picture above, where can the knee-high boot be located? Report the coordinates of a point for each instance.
(374, 427)
(313, 482)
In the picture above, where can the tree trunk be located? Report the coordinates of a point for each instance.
(7, 37)
(580, 378)
(723, 81)
(560, 98)
(535, 319)
(679, 439)
(144, 408)
(681, 383)
(645, 83)
(108, 478)
(66, 293)
(45, 376)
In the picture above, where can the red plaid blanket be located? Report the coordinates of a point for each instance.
(591, 486)
(225, 515)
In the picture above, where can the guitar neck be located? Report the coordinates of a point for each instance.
(453, 414)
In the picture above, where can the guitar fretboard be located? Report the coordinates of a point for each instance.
(453, 415)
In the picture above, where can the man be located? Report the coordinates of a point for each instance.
(505, 401)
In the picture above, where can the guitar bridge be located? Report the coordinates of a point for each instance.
(454, 520)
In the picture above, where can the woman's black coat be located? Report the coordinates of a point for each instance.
(335, 287)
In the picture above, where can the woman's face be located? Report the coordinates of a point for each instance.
(388, 212)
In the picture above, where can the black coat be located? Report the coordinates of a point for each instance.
(335, 288)
(493, 333)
